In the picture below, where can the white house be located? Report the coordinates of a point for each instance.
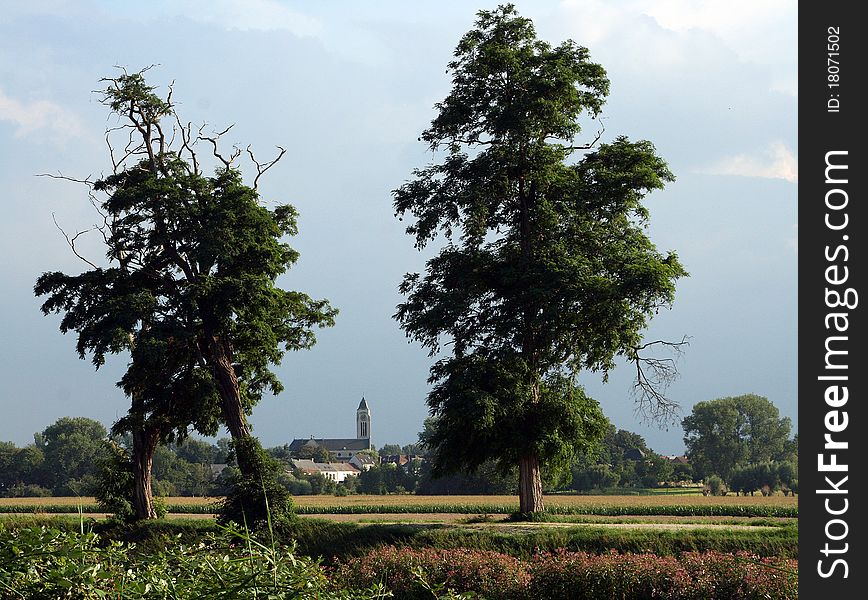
(337, 472)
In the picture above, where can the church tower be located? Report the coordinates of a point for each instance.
(363, 421)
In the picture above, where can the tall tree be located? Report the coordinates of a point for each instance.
(726, 433)
(72, 446)
(189, 286)
(546, 270)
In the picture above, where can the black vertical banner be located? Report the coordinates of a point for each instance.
(833, 231)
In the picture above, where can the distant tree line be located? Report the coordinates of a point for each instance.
(742, 444)
(738, 444)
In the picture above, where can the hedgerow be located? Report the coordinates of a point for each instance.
(565, 575)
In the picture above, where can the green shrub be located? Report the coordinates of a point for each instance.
(715, 486)
(27, 490)
(47, 563)
(115, 476)
(257, 497)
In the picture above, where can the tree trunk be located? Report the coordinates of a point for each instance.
(220, 359)
(530, 496)
(144, 443)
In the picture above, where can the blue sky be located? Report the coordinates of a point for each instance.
(347, 87)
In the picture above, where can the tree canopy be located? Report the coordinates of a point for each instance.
(546, 269)
(189, 282)
(726, 433)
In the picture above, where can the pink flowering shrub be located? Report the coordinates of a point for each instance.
(692, 576)
(564, 575)
(740, 576)
(489, 574)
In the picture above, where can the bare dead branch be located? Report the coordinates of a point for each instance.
(171, 87)
(86, 181)
(187, 142)
(590, 144)
(236, 152)
(263, 167)
(654, 375)
(71, 241)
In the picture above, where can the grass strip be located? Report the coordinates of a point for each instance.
(674, 510)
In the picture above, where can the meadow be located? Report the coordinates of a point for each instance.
(414, 546)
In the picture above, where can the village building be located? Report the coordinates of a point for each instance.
(337, 471)
(344, 449)
(363, 461)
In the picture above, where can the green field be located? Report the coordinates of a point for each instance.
(664, 505)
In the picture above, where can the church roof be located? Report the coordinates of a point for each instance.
(332, 445)
(363, 405)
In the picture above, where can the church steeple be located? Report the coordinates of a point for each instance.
(363, 421)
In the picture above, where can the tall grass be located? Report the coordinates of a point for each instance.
(231, 564)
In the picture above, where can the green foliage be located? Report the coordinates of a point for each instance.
(115, 489)
(766, 477)
(723, 434)
(315, 453)
(509, 420)
(22, 470)
(390, 450)
(547, 270)
(186, 478)
(72, 448)
(715, 486)
(189, 288)
(46, 563)
(486, 479)
(622, 459)
(256, 496)
(387, 478)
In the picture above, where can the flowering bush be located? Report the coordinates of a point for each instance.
(564, 575)
(408, 573)
(740, 576)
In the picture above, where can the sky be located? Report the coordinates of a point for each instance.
(347, 87)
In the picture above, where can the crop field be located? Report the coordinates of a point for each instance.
(325, 503)
(610, 506)
(550, 501)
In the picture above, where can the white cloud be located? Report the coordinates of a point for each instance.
(759, 33)
(247, 15)
(39, 116)
(776, 162)
(762, 33)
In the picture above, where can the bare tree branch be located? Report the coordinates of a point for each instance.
(187, 142)
(653, 376)
(263, 167)
(86, 181)
(590, 144)
(236, 152)
(71, 241)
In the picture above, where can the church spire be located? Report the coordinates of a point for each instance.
(363, 421)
